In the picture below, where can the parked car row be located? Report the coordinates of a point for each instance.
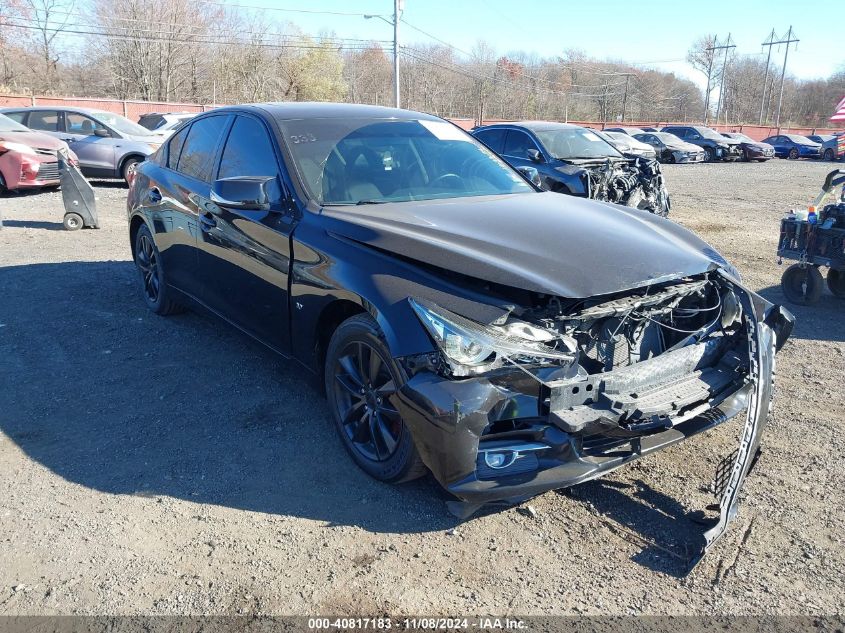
(578, 161)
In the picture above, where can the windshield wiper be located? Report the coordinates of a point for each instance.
(370, 202)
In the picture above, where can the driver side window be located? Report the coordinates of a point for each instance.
(517, 144)
(80, 124)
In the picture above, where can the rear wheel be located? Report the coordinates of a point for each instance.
(157, 294)
(802, 284)
(836, 282)
(793, 153)
(362, 380)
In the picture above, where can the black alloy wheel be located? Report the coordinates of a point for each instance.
(148, 262)
(708, 155)
(793, 153)
(361, 382)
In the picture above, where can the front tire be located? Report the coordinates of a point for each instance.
(708, 155)
(793, 154)
(157, 294)
(828, 154)
(128, 169)
(362, 380)
(802, 285)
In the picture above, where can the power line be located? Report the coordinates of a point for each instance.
(150, 38)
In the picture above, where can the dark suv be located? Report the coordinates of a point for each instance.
(716, 147)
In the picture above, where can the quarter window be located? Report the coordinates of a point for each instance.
(174, 148)
(198, 151)
(17, 117)
(46, 121)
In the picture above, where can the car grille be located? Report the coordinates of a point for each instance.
(48, 171)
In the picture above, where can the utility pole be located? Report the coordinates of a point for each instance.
(709, 72)
(625, 97)
(788, 39)
(769, 42)
(727, 46)
(397, 12)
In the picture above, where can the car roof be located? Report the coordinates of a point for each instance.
(535, 126)
(322, 110)
(57, 109)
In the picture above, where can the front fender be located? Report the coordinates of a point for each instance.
(328, 268)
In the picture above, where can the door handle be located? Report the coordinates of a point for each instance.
(207, 221)
(154, 195)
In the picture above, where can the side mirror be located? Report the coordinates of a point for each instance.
(102, 132)
(248, 193)
(531, 174)
(535, 156)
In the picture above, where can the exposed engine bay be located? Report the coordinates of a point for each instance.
(633, 182)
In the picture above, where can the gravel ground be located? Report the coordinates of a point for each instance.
(165, 466)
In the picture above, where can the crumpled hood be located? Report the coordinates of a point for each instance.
(35, 140)
(728, 141)
(543, 242)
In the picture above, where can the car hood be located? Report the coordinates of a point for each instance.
(727, 141)
(759, 145)
(542, 242)
(35, 140)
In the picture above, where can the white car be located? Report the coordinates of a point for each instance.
(628, 144)
(163, 123)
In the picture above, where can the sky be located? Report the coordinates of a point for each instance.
(655, 33)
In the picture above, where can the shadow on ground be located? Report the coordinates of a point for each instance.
(109, 396)
(33, 224)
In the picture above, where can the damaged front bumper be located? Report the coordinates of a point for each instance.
(505, 436)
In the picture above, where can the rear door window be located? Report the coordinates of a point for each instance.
(44, 120)
(197, 156)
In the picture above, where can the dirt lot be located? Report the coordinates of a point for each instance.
(152, 465)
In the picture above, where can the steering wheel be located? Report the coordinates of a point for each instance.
(457, 180)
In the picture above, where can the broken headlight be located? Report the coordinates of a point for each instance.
(472, 348)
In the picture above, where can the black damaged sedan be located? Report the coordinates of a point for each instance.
(509, 340)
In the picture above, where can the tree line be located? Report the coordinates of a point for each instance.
(190, 51)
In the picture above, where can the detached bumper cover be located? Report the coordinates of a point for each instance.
(451, 421)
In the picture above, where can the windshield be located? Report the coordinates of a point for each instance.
(121, 124)
(667, 138)
(575, 142)
(706, 132)
(801, 140)
(8, 125)
(369, 161)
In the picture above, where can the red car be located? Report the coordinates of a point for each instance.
(28, 159)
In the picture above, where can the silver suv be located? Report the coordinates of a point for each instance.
(108, 145)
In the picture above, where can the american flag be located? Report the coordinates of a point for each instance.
(839, 114)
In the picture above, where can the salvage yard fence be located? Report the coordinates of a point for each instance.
(133, 109)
